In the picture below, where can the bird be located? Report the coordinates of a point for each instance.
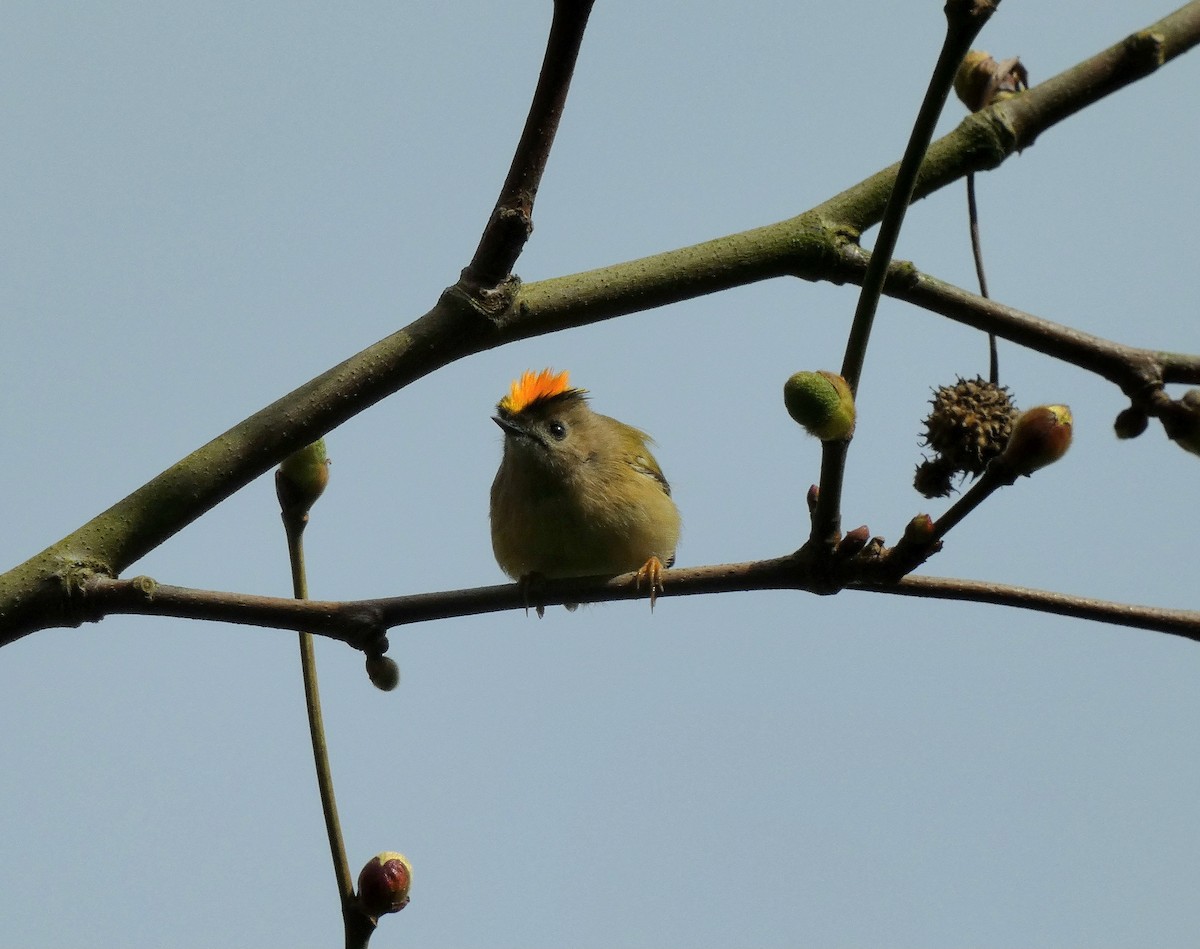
(577, 493)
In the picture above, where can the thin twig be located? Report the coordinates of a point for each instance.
(1134, 369)
(511, 221)
(783, 573)
(357, 926)
(1184, 623)
(963, 23)
(911, 552)
(977, 253)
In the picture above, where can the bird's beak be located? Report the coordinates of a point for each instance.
(515, 431)
(510, 428)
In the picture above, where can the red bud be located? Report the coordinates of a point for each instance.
(383, 884)
(1040, 437)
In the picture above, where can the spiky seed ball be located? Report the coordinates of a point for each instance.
(970, 423)
(935, 477)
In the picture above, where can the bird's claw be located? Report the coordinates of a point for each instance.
(531, 588)
(651, 572)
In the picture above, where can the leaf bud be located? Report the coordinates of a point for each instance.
(853, 542)
(1040, 437)
(383, 672)
(822, 402)
(1131, 422)
(383, 884)
(919, 530)
(302, 478)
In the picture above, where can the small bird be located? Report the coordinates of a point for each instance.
(578, 493)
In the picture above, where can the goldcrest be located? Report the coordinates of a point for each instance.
(578, 493)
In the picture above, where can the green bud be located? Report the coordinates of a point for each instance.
(822, 402)
(383, 672)
(919, 530)
(1131, 422)
(302, 478)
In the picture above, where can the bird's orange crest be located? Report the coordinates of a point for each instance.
(534, 386)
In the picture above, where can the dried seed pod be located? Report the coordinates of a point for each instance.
(935, 478)
(981, 80)
(970, 424)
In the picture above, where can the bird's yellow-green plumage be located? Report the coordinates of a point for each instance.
(577, 493)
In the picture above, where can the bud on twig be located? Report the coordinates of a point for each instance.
(822, 402)
(383, 884)
(383, 672)
(1040, 437)
(853, 542)
(1131, 422)
(302, 478)
(919, 530)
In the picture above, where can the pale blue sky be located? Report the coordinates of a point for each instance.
(202, 207)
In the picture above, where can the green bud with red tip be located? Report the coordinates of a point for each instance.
(822, 402)
(919, 530)
(383, 884)
(1040, 437)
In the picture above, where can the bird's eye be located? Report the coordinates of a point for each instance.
(557, 430)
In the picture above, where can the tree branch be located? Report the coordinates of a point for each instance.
(1184, 623)
(360, 623)
(39, 593)
(1134, 58)
(1132, 368)
(511, 221)
(964, 20)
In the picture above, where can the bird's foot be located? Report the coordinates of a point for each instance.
(651, 573)
(531, 585)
